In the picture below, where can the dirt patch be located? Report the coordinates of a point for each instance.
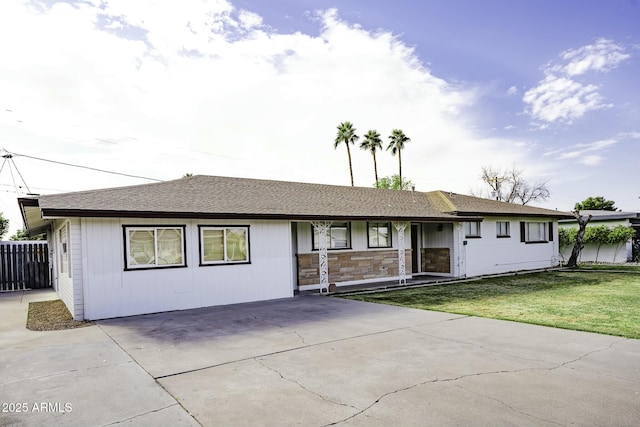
(51, 316)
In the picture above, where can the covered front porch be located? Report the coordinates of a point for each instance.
(337, 254)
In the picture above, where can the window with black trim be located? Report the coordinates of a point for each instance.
(154, 246)
(472, 229)
(338, 236)
(224, 245)
(533, 232)
(379, 234)
(503, 229)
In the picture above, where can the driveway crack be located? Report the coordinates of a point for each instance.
(589, 353)
(433, 381)
(326, 399)
(69, 371)
(140, 415)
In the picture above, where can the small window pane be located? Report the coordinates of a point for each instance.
(169, 246)
(502, 228)
(237, 244)
(339, 237)
(379, 235)
(472, 229)
(213, 245)
(141, 247)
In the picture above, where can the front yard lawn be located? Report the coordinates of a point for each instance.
(607, 303)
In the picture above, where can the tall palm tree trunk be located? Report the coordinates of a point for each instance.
(400, 164)
(350, 167)
(375, 167)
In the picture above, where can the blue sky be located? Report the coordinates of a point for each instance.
(256, 89)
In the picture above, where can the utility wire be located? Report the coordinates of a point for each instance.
(87, 167)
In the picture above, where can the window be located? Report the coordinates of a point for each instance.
(338, 236)
(379, 234)
(154, 247)
(532, 232)
(63, 239)
(224, 245)
(502, 229)
(472, 229)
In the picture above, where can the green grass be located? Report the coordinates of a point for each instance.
(604, 267)
(607, 303)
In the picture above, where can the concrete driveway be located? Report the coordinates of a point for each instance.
(323, 361)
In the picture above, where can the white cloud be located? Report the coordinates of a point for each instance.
(513, 90)
(584, 153)
(602, 56)
(559, 97)
(158, 89)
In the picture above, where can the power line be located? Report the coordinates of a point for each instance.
(86, 167)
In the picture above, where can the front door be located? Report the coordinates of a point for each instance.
(415, 247)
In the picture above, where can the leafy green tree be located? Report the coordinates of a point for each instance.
(619, 236)
(598, 236)
(23, 234)
(567, 237)
(397, 141)
(394, 182)
(372, 143)
(4, 226)
(597, 203)
(346, 135)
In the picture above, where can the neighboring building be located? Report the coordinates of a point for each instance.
(204, 240)
(605, 253)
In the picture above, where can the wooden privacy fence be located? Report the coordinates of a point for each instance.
(24, 265)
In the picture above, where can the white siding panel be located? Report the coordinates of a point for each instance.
(63, 279)
(492, 255)
(112, 292)
(605, 253)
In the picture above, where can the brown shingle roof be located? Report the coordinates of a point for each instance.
(469, 205)
(224, 197)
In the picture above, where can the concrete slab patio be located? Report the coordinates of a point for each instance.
(317, 361)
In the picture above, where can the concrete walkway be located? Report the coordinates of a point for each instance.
(317, 361)
(77, 377)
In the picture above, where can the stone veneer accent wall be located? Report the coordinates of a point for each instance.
(436, 260)
(347, 266)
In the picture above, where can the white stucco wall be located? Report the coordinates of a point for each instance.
(68, 279)
(110, 291)
(605, 253)
(490, 254)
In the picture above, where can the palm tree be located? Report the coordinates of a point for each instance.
(397, 139)
(371, 143)
(346, 134)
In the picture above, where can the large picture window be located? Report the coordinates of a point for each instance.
(338, 236)
(154, 247)
(224, 245)
(533, 232)
(379, 234)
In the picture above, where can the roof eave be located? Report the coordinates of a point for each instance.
(558, 215)
(86, 213)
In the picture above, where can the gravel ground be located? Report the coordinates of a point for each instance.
(51, 316)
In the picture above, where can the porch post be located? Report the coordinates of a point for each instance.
(402, 272)
(323, 260)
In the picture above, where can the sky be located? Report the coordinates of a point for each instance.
(155, 89)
